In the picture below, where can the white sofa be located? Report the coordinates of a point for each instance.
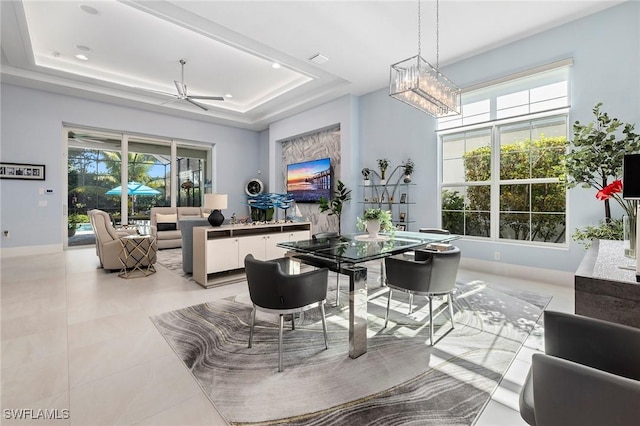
(165, 223)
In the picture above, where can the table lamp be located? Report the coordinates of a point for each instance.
(215, 202)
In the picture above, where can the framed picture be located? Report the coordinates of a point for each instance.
(21, 171)
(403, 216)
(403, 198)
(401, 227)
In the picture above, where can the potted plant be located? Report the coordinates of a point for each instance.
(408, 170)
(596, 155)
(334, 206)
(375, 220)
(73, 223)
(383, 165)
(366, 173)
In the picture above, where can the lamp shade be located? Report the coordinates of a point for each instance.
(215, 201)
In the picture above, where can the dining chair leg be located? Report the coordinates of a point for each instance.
(431, 320)
(324, 326)
(410, 303)
(386, 317)
(293, 321)
(253, 320)
(280, 343)
(337, 289)
(450, 297)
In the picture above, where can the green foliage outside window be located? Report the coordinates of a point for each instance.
(528, 211)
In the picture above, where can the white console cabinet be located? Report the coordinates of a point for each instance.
(222, 249)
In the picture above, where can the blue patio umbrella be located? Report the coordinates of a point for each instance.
(134, 189)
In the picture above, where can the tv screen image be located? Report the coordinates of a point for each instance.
(310, 180)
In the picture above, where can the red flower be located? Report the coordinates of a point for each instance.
(606, 192)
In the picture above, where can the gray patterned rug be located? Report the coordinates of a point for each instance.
(400, 380)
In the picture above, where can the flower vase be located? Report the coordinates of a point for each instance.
(373, 227)
(629, 235)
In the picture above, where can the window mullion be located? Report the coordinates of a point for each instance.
(495, 183)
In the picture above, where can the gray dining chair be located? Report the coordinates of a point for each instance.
(588, 375)
(430, 274)
(274, 291)
(329, 236)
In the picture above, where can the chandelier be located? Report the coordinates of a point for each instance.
(416, 82)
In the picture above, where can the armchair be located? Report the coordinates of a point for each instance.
(588, 375)
(272, 290)
(108, 244)
(430, 274)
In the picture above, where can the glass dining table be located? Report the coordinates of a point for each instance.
(348, 254)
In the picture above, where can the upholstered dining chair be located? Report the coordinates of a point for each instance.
(431, 273)
(274, 291)
(329, 236)
(588, 375)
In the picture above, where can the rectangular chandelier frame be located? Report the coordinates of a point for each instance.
(419, 84)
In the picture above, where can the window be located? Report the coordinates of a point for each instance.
(502, 171)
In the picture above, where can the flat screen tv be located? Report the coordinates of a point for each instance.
(631, 177)
(310, 180)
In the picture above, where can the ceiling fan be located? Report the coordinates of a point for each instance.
(183, 96)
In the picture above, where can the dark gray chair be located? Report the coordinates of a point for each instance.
(273, 290)
(432, 273)
(329, 236)
(588, 375)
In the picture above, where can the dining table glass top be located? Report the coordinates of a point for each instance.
(357, 248)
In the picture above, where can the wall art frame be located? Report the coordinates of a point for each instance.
(22, 171)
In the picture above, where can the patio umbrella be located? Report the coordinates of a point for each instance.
(134, 189)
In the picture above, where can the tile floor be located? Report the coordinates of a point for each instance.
(76, 338)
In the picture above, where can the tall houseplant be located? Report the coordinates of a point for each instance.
(596, 155)
(334, 206)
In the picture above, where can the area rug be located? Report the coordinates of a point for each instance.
(172, 260)
(400, 380)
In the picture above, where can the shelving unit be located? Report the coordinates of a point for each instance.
(394, 197)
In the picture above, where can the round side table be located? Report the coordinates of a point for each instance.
(137, 256)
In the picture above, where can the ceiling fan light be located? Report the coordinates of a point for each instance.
(275, 65)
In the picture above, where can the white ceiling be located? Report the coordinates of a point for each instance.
(230, 46)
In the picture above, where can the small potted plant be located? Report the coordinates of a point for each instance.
(73, 223)
(383, 165)
(375, 220)
(408, 170)
(366, 173)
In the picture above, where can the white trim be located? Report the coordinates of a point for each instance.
(526, 73)
(30, 250)
(550, 276)
(508, 120)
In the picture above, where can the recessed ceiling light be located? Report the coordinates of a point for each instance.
(89, 9)
(318, 58)
(55, 54)
(82, 47)
(82, 57)
(275, 65)
(228, 95)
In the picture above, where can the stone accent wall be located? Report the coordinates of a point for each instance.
(312, 146)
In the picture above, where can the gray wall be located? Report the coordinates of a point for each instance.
(32, 123)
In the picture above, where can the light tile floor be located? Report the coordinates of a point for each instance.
(79, 339)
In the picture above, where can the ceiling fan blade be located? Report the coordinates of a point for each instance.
(180, 87)
(210, 98)
(170, 101)
(199, 105)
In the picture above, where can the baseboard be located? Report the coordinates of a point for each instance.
(30, 250)
(549, 276)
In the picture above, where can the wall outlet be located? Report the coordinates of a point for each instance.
(5, 233)
(496, 255)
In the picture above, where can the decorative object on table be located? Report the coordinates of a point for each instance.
(366, 173)
(21, 171)
(383, 165)
(375, 220)
(409, 167)
(419, 84)
(215, 202)
(334, 206)
(596, 155)
(254, 187)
